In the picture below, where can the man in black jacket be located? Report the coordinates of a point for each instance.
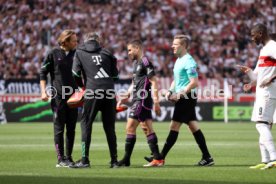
(98, 68)
(58, 63)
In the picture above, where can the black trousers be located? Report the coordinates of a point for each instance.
(64, 117)
(108, 110)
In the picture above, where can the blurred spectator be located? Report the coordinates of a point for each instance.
(219, 30)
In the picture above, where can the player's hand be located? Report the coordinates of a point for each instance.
(81, 89)
(119, 103)
(247, 87)
(244, 69)
(265, 83)
(123, 100)
(124, 97)
(174, 97)
(157, 109)
(167, 95)
(44, 97)
(170, 96)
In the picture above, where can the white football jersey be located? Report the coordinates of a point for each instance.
(266, 68)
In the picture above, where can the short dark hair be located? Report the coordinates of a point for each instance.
(65, 36)
(91, 36)
(184, 40)
(259, 28)
(136, 43)
(273, 36)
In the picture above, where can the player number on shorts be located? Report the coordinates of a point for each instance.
(260, 111)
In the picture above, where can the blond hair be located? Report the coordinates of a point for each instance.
(65, 36)
(184, 40)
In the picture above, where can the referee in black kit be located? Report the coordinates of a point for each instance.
(58, 63)
(98, 67)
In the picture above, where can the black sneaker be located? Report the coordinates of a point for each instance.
(81, 164)
(114, 164)
(206, 162)
(149, 159)
(69, 161)
(62, 163)
(123, 163)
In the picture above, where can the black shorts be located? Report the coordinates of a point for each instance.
(139, 112)
(184, 110)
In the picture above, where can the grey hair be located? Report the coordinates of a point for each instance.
(91, 36)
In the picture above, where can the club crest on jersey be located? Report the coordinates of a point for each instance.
(193, 71)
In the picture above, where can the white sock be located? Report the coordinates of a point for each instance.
(267, 139)
(264, 152)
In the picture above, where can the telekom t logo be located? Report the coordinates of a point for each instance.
(97, 59)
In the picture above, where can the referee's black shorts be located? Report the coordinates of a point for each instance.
(184, 110)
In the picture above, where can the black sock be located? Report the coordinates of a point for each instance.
(130, 142)
(199, 137)
(171, 139)
(85, 160)
(152, 141)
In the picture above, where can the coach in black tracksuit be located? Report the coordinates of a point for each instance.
(58, 63)
(98, 68)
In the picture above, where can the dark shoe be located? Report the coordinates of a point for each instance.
(114, 164)
(149, 159)
(62, 163)
(81, 164)
(69, 161)
(206, 162)
(123, 163)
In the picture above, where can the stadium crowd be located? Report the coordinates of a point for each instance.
(219, 31)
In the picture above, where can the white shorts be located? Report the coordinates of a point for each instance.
(264, 110)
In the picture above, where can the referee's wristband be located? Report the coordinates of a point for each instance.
(170, 94)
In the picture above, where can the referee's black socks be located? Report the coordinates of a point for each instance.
(171, 139)
(200, 139)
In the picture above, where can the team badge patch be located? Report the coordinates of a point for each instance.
(193, 71)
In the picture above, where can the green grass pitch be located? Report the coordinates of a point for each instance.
(27, 156)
